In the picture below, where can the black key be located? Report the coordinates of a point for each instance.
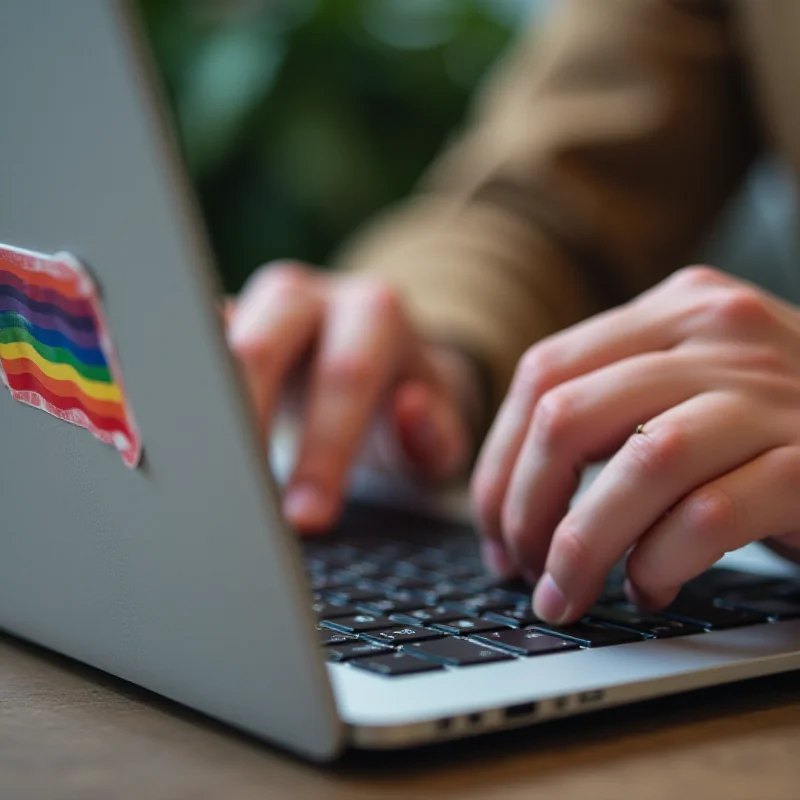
(442, 591)
(590, 634)
(352, 594)
(464, 569)
(788, 590)
(364, 568)
(479, 604)
(775, 608)
(358, 623)
(517, 616)
(703, 611)
(432, 577)
(414, 596)
(516, 591)
(468, 625)
(630, 618)
(455, 652)
(481, 583)
(428, 559)
(401, 635)
(393, 664)
(391, 582)
(427, 616)
(330, 557)
(348, 650)
(406, 568)
(516, 586)
(391, 551)
(328, 610)
(334, 580)
(526, 642)
(778, 588)
(720, 581)
(385, 606)
(326, 636)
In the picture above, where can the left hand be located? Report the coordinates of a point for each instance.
(710, 366)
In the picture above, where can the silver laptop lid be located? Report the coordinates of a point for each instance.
(177, 575)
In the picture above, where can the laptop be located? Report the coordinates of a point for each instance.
(156, 550)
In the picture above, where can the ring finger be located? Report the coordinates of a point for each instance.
(681, 449)
(581, 421)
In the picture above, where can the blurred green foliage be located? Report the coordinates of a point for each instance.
(301, 118)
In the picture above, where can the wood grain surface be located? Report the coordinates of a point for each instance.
(67, 731)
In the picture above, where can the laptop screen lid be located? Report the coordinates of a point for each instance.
(177, 575)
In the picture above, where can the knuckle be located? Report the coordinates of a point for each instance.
(658, 453)
(533, 371)
(740, 309)
(712, 514)
(553, 418)
(383, 300)
(286, 278)
(346, 372)
(697, 276)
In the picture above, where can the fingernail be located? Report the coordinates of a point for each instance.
(549, 602)
(306, 505)
(496, 559)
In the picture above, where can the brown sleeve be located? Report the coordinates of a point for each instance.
(599, 154)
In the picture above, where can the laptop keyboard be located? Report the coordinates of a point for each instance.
(399, 594)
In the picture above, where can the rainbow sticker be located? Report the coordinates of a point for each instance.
(55, 349)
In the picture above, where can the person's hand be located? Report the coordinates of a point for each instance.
(709, 367)
(363, 360)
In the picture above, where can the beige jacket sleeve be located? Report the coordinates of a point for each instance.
(598, 156)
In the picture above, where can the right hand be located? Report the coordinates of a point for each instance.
(364, 362)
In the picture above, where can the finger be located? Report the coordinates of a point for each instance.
(581, 421)
(364, 338)
(753, 502)
(430, 429)
(270, 329)
(679, 450)
(595, 343)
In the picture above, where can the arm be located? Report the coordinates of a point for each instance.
(598, 156)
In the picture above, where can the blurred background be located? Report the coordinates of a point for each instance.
(299, 119)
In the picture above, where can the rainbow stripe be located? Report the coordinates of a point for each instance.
(55, 351)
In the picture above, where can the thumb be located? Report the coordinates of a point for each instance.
(430, 430)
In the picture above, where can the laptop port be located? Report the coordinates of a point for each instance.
(520, 710)
(561, 703)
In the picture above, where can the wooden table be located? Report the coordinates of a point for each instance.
(67, 731)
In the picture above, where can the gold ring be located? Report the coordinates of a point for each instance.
(639, 428)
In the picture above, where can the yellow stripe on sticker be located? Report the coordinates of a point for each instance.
(61, 372)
